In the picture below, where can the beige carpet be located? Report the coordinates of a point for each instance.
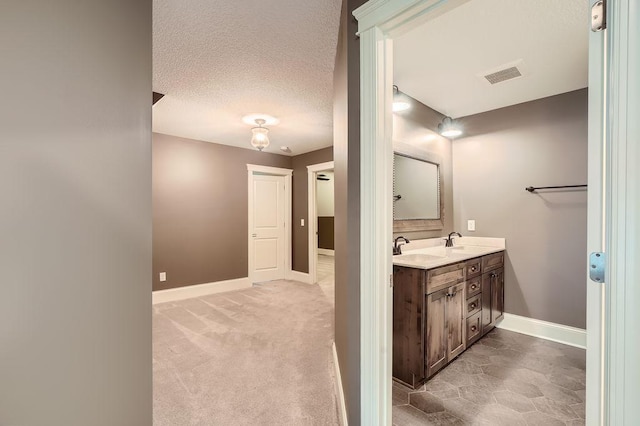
(260, 356)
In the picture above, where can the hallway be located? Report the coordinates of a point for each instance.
(260, 356)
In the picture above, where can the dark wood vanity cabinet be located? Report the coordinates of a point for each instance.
(438, 313)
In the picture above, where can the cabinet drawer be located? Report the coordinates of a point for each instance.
(473, 305)
(474, 328)
(445, 276)
(473, 267)
(492, 261)
(474, 286)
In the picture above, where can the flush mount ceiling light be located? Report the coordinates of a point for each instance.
(449, 128)
(260, 139)
(399, 102)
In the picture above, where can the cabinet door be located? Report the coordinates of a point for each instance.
(456, 321)
(486, 302)
(408, 325)
(436, 351)
(497, 295)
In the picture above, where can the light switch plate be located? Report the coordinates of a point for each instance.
(163, 276)
(471, 225)
(301, 222)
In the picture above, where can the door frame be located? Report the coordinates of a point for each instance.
(312, 203)
(610, 367)
(273, 171)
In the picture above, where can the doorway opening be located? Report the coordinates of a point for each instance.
(379, 30)
(320, 203)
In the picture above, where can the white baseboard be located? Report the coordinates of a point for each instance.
(326, 252)
(191, 291)
(571, 336)
(342, 408)
(303, 277)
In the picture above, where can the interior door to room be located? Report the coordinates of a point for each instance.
(267, 228)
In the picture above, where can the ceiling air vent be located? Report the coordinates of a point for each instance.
(503, 75)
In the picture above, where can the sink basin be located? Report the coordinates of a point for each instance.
(420, 258)
(468, 249)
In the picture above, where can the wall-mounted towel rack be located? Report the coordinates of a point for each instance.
(535, 188)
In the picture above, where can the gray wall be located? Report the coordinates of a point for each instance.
(300, 234)
(75, 219)
(346, 123)
(200, 209)
(409, 127)
(537, 143)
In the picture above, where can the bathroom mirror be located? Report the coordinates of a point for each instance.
(417, 193)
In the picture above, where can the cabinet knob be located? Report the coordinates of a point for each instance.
(473, 328)
(472, 306)
(473, 287)
(473, 269)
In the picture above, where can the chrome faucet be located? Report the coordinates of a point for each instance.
(449, 240)
(397, 248)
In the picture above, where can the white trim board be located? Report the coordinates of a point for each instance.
(191, 291)
(298, 276)
(326, 252)
(342, 408)
(564, 334)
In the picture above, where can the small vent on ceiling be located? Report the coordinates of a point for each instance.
(503, 75)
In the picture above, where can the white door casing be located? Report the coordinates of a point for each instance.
(269, 232)
(312, 172)
(378, 22)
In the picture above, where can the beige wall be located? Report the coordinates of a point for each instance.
(537, 143)
(200, 209)
(75, 218)
(410, 127)
(346, 122)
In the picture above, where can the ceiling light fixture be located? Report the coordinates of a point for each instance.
(449, 128)
(260, 139)
(399, 102)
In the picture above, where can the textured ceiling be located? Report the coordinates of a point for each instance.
(217, 61)
(441, 62)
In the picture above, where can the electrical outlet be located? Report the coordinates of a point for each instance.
(471, 225)
(301, 222)
(163, 276)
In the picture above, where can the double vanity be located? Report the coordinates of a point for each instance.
(444, 300)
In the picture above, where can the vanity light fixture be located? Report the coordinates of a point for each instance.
(449, 128)
(260, 138)
(399, 103)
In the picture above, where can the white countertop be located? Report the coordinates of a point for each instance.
(431, 253)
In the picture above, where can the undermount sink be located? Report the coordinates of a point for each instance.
(416, 258)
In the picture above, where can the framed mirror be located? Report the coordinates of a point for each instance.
(418, 204)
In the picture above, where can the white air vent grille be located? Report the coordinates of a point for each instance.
(503, 75)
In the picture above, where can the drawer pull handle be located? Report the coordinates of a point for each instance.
(472, 306)
(473, 269)
(473, 328)
(473, 287)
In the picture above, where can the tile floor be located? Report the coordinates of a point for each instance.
(506, 379)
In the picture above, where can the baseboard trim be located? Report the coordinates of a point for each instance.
(303, 277)
(191, 291)
(564, 334)
(342, 408)
(326, 252)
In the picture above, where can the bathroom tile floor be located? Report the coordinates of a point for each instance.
(505, 378)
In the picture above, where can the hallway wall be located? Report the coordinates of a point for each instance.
(75, 220)
(200, 209)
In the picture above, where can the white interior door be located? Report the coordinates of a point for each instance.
(267, 228)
